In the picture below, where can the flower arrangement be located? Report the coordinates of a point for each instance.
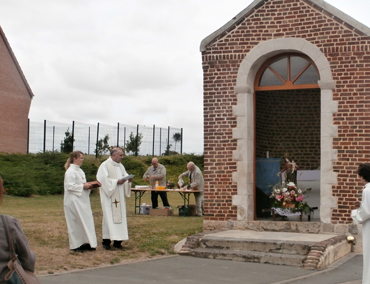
(289, 196)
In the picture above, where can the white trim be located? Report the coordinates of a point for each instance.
(244, 131)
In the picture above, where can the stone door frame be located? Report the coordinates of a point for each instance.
(244, 177)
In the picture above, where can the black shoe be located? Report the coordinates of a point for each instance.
(106, 246)
(118, 246)
(77, 250)
(87, 247)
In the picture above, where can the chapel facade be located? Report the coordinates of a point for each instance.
(289, 78)
(15, 101)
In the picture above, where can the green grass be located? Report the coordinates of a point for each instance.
(43, 221)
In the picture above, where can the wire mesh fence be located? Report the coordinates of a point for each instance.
(48, 136)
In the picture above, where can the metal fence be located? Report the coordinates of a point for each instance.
(48, 136)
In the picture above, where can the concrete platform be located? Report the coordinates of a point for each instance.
(311, 251)
(276, 236)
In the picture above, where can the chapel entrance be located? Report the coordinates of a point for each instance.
(287, 103)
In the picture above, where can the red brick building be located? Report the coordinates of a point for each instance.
(285, 76)
(15, 101)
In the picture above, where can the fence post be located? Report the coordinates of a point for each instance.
(53, 138)
(73, 134)
(181, 142)
(124, 138)
(97, 140)
(43, 148)
(118, 134)
(153, 139)
(28, 136)
(168, 141)
(136, 140)
(160, 141)
(88, 143)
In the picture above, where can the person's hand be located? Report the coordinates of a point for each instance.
(357, 204)
(86, 185)
(278, 174)
(130, 180)
(121, 181)
(180, 177)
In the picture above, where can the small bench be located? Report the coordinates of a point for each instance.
(311, 209)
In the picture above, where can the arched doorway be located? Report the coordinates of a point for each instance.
(287, 123)
(244, 132)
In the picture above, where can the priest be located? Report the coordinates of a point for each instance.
(115, 185)
(362, 216)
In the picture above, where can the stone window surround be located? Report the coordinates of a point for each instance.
(244, 131)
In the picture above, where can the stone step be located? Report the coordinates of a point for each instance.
(250, 256)
(267, 246)
(311, 251)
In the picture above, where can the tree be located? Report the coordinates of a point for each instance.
(176, 137)
(102, 146)
(168, 151)
(67, 145)
(133, 144)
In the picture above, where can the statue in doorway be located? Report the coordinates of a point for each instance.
(290, 169)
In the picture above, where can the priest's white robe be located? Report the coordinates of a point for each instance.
(362, 216)
(77, 209)
(111, 230)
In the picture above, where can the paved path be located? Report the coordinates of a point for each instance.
(185, 270)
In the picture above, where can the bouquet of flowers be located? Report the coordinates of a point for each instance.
(289, 196)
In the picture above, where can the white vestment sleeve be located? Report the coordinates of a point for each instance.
(71, 185)
(109, 185)
(362, 214)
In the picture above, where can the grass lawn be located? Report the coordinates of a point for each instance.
(43, 221)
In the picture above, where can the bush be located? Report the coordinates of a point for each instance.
(43, 173)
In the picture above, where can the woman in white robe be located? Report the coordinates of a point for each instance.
(362, 216)
(77, 208)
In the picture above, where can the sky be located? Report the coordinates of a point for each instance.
(127, 61)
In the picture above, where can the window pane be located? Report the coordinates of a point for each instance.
(310, 76)
(281, 67)
(269, 79)
(296, 66)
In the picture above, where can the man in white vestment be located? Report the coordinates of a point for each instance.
(362, 216)
(111, 174)
(196, 182)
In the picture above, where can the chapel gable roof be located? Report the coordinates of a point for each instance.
(318, 4)
(15, 61)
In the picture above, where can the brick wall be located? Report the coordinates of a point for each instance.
(289, 122)
(347, 50)
(15, 103)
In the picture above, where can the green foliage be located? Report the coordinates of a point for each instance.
(133, 144)
(176, 137)
(102, 146)
(67, 145)
(43, 173)
(168, 152)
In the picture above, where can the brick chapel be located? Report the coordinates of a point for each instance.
(285, 78)
(15, 101)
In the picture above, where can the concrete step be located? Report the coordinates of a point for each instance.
(258, 245)
(250, 256)
(311, 251)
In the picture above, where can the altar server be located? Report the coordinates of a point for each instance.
(77, 208)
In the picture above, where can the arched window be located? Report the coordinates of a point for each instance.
(286, 72)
